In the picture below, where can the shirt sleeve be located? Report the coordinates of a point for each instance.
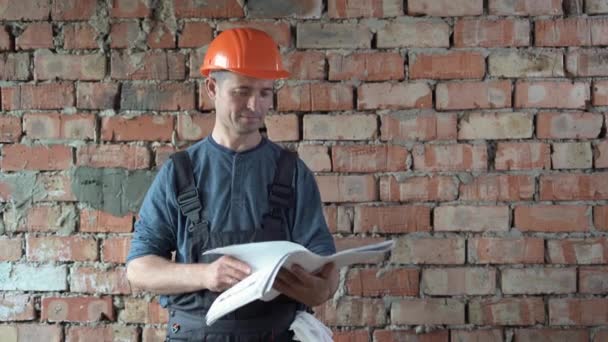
(309, 227)
(155, 229)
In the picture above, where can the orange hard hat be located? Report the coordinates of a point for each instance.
(246, 51)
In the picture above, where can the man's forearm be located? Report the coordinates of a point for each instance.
(161, 276)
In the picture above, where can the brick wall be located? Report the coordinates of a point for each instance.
(472, 132)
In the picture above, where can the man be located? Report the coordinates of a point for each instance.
(232, 187)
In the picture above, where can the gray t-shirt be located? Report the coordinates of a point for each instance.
(234, 189)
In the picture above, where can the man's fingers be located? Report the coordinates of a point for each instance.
(327, 269)
(288, 277)
(237, 264)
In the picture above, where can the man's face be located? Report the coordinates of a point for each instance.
(241, 102)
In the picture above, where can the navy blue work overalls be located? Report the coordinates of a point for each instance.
(257, 321)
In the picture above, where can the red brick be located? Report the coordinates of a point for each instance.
(506, 250)
(498, 188)
(155, 65)
(394, 96)
(194, 35)
(473, 95)
(578, 311)
(92, 280)
(525, 7)
(161, 37)
(575, 186)
(32, 332)
(25, 10)
(38, 96)
(423, 188)
(455, 157)
(73, 9)
(600, 217)
(279, 31)
(194, 126)
(601, 335)
(316, 35)
(600, 93)
(15, 67)
(495, 126)
(414, 33)
(102, 333)
(587, 63)
(143, 127)
(283, 127)
(410, 335)
(113, 156)
(315, 97)
(49, 66)
(209, 9)
(79, 36)
(154, 334)
(77, 309)
(340, 127)
(531, 281)
(523, 156)
(316, 157)
(336, 188)
(551, 335)
(10, 129)
(330, 213)
(445, 8)
(447, 65)
(552, 218)
(578, 251)
(59, 126)
(458, 281)
(392, 219)
(362, 158)
(125, 34)
(600, 153)
(576, 31)
(162, 97)
(444, 251)
(471, 218)
(568, 125)
(428, 311)
(306, 65)
(57, 218)
(485, 335)
(593, 279)
(382, 282)
(491, 33)
(507, 311)
(35, 36)
(143, 311)
(70, 248)
(360, 312)
(162, 154)
(96, 95)
(130, 9)
(94, 221)
(115, 249)
(6, 44)
(551, 94)
(355, 9)
(350, 336)
(17, 307)
(37, 157)
(10, 249)
(56, 188)
(366, 66)
(572, 155)
(404, 127)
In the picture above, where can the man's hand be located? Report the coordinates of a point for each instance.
(308, 288)
(224, 273)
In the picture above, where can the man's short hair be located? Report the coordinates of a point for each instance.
(219, 75)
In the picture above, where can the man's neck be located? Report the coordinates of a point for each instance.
(236, 143)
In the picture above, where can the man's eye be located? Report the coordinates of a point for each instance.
(266, 94)
(241, 92)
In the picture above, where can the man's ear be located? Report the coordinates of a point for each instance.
(211, 87)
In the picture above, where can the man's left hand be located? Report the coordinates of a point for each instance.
(307, 288)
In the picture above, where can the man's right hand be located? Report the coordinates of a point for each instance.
(224, 273)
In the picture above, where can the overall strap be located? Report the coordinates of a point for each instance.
(189, 203)
(281, 195)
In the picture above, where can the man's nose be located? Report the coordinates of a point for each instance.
(253, 103)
